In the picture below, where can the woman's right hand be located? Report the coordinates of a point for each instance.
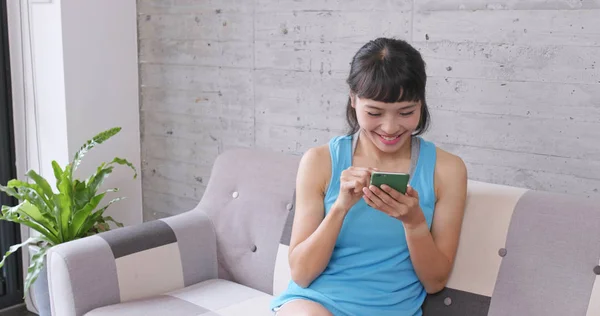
(352, 181)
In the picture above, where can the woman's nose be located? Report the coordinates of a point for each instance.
(389, 127)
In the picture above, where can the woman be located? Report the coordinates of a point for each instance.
(359, 250)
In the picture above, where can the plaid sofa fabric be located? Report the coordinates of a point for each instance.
(209, 298)
(131, 263)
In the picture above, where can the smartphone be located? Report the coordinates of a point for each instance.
(395, 180)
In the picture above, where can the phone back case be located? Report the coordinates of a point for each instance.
(397, 181)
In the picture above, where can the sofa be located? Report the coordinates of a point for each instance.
(521, 252)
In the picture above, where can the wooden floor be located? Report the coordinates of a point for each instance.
(16, 311)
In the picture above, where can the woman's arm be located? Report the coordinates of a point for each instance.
(313, 234)
(432, 253)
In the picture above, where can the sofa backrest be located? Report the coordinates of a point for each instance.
(521, 252)
(248, 198)
(524, 252)
(550, 258)
(488, 213)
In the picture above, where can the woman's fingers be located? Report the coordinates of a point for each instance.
(356, 178)
(383, 196)
(393, 193)
(373, 199)
(410, 191)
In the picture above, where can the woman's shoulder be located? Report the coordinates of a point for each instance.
(448, 160)
(316, 154)
(450, 170)
(323, 152)
(315, 167)
(443, 158)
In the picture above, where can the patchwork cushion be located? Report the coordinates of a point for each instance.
(209, 298)
(131, 263)
(488, 212)
(158, 239)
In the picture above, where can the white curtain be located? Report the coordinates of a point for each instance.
(24, 105)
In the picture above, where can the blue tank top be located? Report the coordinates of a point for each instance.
(370, 271)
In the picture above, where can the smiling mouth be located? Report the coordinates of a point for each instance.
(389, 140)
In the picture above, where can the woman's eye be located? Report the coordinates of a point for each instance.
(374, 114)
(407, 114)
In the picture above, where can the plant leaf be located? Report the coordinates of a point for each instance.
(35, 267)
(124, 162)
(83, 214)
(57, 171)
(95, 181)
(110, 219)
(95, 217)
(104, 170)
(10, 191)
(62, 214)
(14, 248)
(30, 192)
(90, 222)
(33, 213)
(64, 204)
(14, 214)
(47, 195)
(96, 140)
(41, 182)
(80, 194)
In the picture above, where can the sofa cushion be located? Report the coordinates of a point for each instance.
(551, 251)
(488, 213)
(209, 298)
(247, 199)
(282, 274)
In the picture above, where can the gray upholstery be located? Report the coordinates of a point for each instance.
(131, 263)
(552, 248)
(264, 183)
(520, 252)
(72, 267)
(129, 240)
(450, 302)
(156, 306)
(209, 298)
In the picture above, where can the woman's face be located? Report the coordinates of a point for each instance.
(388, 125)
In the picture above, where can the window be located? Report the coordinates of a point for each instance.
(11, 285)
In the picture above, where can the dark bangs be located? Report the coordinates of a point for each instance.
(382, 83)
(388, 70)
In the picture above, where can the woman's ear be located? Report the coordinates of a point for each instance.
(353, 100)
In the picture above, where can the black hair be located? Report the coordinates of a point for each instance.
(387, 70)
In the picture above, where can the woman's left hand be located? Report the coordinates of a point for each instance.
(404, 207)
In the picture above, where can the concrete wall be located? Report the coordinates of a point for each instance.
(514, 88)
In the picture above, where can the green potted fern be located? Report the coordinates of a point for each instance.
(70, 212)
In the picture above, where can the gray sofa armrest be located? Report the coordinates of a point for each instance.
(131, 263)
